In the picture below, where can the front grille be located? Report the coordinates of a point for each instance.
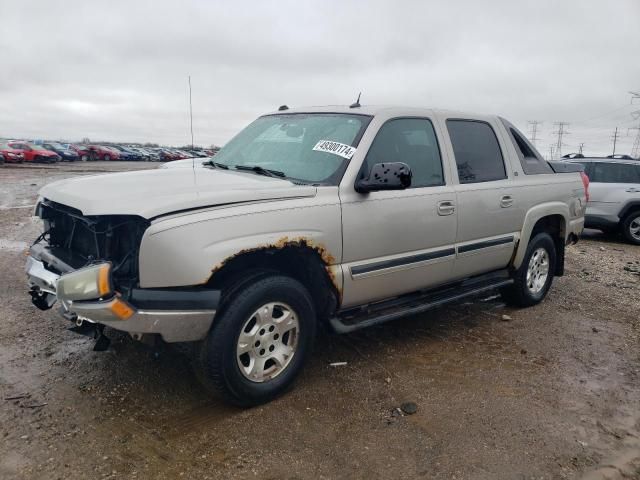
(84, 240)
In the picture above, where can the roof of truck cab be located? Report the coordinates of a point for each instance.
(386, 110)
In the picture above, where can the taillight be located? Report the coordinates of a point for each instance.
(585, 182)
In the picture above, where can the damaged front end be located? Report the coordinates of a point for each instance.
(72, 241)
(90, 265)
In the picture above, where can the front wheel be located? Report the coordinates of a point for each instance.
(533, 279)
(631, 227)
(106, 158)
(259, 342)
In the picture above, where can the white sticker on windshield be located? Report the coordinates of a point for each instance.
(345, 151)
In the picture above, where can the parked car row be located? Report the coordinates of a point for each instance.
(18, 151)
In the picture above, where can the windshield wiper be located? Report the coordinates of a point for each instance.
(216, 164)
(262, 171)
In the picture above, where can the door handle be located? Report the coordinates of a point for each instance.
(446, 207)
(506, 201)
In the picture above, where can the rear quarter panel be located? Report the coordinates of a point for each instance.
(542, 195)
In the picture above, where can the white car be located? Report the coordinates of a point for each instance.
(614, 200)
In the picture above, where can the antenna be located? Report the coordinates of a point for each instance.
(191, 112)
(357, 103)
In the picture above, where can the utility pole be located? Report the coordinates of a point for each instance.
(635, 150)
(551, 147)
(614, 137)
(533, 130)
(190, 112)
(560, 133)
(580, 148)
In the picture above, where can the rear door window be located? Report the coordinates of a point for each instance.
(477, 151)
(609, 172)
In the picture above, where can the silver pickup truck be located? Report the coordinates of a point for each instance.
(342, 217)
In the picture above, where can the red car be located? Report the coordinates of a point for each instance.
(11, 155)
(81, 150)
(99, 152)
(35, 153)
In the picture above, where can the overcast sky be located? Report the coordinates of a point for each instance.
(114, 70)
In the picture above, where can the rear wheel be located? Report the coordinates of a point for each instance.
(533, 279)
(106, 158)
(631, 227)
(259, 342)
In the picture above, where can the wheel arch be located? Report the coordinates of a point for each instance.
(298, 258)
(552, 218)
(628, 208)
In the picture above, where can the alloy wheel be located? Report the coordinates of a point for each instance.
(538, 270)
(634, 228)
(267, 342)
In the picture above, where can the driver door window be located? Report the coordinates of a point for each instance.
(411, 141)
(396, 241)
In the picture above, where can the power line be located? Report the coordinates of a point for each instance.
(534, 131)
(560, 133)
(601, 115)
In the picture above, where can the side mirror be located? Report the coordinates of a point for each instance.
(386, 176)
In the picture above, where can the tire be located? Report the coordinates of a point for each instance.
(106, 158)
(539, 260)
(631, 227)
(239, 377)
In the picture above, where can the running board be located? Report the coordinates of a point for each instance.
(375, 314)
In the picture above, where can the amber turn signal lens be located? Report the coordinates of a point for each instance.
(104, 285)
(121, 309)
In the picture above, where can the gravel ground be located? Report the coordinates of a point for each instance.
(547, 392)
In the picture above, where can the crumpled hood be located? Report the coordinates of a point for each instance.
(150, 193)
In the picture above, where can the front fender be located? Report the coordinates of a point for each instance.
(186, 250)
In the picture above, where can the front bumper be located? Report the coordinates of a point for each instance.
(169, 313)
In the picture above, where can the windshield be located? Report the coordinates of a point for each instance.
(306, 147)
(56, 145)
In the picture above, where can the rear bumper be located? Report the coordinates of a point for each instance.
(177, 315)
(576, 226)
